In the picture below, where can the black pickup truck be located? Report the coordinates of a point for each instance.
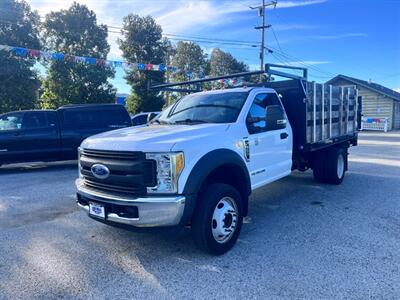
(48, 135)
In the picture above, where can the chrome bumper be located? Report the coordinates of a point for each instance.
(153, 211)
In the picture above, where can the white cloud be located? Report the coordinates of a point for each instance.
(305, 63)
(339, 36)
(285, 27)
(289, 4)
(175, 16)
(397, 89)
(191, 14)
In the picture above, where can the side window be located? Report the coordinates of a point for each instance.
(75, 118)
(11, 121)
(34, 120)
(113, 116)
(139, 120)
(52, 118)
(151, 116)
(256, 118)
(94, 118)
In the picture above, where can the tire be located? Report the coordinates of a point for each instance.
(319, 167)
(219, 207)
(335, 165)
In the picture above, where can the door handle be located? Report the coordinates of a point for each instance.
(284, 135)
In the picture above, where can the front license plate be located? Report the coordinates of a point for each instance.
(97, 210)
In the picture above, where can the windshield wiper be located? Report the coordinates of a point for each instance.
(159, 122)
(189, 121)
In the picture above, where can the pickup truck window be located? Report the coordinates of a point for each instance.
(34, 120)
(139, 120)
(256, 117)
(205, 108)
(11, 121)
(81, 118)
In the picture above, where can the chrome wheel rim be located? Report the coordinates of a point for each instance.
(340, 166)
(224, 220)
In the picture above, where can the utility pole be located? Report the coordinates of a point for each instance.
(261, 13)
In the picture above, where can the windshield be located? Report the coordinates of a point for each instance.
(204, 108)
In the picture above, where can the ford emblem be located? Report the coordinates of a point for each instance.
(100, 171)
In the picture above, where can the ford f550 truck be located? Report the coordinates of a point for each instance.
(197, 163)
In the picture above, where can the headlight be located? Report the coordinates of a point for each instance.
(79, 163)
(169, 167)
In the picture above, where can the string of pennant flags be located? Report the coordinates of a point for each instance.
(58, 56)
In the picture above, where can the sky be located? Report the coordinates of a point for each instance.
(358, 38)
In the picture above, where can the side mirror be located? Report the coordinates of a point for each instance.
(274, 118)
(148, 118)
(252, 120)
(151, 116)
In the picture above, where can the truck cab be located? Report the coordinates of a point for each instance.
(197, 163)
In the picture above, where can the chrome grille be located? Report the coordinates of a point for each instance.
(130, 172)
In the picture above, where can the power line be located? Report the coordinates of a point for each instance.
(239, 45)
(241, 42)
(297, 60)
(227, 42)
(371, 70)
(276, 39)
(244, 45)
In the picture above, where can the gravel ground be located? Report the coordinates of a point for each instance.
(302, 240)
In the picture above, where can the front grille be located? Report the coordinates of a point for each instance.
(130, 172)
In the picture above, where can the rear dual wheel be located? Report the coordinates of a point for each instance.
(217, 219)
(330, 166)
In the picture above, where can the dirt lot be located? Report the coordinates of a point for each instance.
(302, 240)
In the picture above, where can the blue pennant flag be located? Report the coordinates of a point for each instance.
(23, 52)
(90, 60)
(161, 68)
(57, 56)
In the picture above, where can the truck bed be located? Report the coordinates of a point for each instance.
(321, 115)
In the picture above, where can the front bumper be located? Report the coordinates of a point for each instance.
(152, 211)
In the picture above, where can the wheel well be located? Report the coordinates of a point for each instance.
(324, 152)
(233, 175)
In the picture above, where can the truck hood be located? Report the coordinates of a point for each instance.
(153, 138)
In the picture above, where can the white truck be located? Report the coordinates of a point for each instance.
(197, 163)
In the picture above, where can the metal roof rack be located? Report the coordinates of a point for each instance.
(269, 70)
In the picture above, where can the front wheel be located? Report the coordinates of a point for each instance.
(218, 218)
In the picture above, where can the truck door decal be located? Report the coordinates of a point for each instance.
(246, 149)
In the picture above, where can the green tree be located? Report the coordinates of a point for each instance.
(142, 43)
(223, 63)
(18, 80)
(75, 32)
(190, 59)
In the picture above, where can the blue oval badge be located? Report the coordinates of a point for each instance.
(100, 171)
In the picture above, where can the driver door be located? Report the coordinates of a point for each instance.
(270, 145)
